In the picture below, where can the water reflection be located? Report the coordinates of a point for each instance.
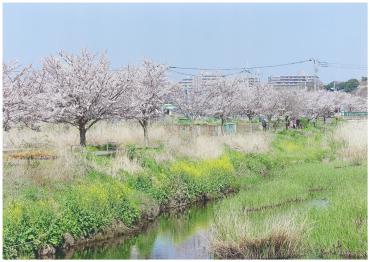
(176, 236)
(319, 203)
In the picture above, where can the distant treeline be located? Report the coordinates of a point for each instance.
(347, 86)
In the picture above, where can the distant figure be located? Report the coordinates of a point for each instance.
(298, 123)
(313, 120)
(264, 124)
(287, 122)
(294, 123)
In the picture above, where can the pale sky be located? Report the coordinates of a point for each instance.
(195, 35)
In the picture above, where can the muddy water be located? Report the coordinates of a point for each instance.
(177, 236)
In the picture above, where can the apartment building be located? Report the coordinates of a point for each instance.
(308, 82)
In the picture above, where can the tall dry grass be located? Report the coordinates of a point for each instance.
(56, 140)
(206, 147)
(117, 165)
(23, 173)
(63, 137)
(236, 236)
(353, 136)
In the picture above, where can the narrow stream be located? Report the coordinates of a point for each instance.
(177, 236)
(183, 235)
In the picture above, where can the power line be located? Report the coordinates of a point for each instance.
(206, 69)
(340, 64)
(349, 68)
(180, 73)
(246, 69)
(223, 75)
(236, 73)
(278, 65)
(240, 68)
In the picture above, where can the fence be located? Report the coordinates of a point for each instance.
(213, 130)
(354, 115)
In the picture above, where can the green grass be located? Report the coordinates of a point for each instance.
(35, 219)
(324, 203)
(272, 213)
(40, 215)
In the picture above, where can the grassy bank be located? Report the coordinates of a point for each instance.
(39, 216)
(314, 207)
(291, 193)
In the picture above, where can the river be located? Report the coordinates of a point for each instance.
(182, 235)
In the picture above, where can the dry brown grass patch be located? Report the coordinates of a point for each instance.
(31, 154)
(276, 238)
(353, 136)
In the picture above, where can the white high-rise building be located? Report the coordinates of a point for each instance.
(203, 80)
(198, 81)
(186, 83)
(251, 81)
(308, 82)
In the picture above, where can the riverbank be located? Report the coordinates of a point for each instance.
(107, 200)
(315, 207)
(43, 218)
(175, 235)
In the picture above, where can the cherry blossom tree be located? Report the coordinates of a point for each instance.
(269, 102)
(81, 90)
(348, 102)
(291, 105)
(250, 101)
(20, 85)
(13, 85)
(190, 102)
(223, 98)
(320, 104)
(148, 93)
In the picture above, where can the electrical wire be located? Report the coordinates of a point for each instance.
(347, 67)
(180, 73)
(332, 63)
(240, 68)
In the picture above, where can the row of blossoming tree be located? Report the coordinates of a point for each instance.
(82, 89)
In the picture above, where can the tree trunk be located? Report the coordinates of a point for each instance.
(276, 124)
(144, 125)
(82, 130)
(146, 138)
(249, 117)
(222, 126)
(269, 118)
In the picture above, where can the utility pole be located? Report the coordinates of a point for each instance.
(316, 65)
(315, 69)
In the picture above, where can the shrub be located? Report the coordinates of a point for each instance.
(80, 209)
(209, 178)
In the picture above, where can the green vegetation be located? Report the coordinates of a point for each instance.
(40, 216)
(173, 227)
(310, 208)
(298, 200)
(347, 86)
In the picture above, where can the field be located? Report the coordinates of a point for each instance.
(314, 209)
(296, 193)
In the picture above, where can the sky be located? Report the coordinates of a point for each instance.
(195, 35)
